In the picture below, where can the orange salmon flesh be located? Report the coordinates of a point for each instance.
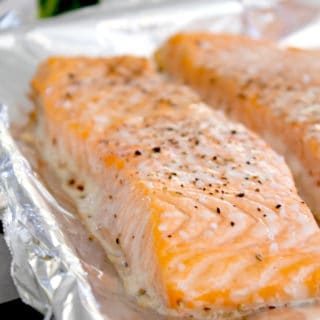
(273, 91)
(200, 217)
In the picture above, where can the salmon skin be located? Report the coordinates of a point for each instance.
(273, 91)
(200, 217)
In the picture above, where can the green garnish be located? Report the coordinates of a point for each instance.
(49, 8)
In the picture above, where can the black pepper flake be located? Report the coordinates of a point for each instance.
(103, 141)
(214, 158)
(80, 187)
(271, 307)
(174, 142)
(258, 209)
(196, 207)
(218, 210)
(115, 216)
(71, 182)
(90, 238)
(248, 82)
(169, 235)
(117, 241)
(278, 206)
(248, 162)
(232, 223)
(259, 257)
(240, 195)
(141, 292)
(125, 264)
(257, 190)
(206, 309)
(196, 142)
(156, 149)
(137, 153)
(264, 215)
(233, 131)
(67, 95)
(241, 96)
(110, 197)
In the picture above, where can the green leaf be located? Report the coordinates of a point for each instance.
(49, 8)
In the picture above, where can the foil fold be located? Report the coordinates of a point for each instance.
(45, 270)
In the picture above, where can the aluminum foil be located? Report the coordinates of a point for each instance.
(56, 267)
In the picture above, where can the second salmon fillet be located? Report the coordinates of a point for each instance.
(200, 217)
(273, 91)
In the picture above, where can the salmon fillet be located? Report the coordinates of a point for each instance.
(273, 91)
(200, 217)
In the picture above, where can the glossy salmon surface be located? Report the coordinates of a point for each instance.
(273, 91)
(200, 217)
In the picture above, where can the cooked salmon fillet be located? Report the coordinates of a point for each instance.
(273, 91)
(200, 217)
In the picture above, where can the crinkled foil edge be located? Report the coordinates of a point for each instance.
(46, 271)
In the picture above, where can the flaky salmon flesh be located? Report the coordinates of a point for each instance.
(273, 91)
(200, 217)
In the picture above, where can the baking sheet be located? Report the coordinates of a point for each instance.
(56, 268)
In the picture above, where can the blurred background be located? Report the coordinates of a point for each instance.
(17, 12)
(260, 17)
